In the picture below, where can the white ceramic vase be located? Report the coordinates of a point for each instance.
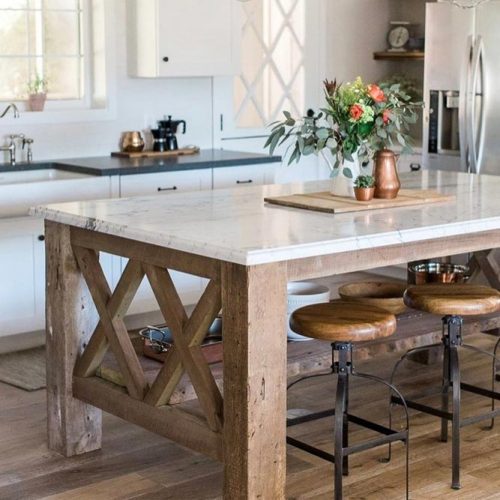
(342, 185)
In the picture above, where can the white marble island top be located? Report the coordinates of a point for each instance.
(235, 225)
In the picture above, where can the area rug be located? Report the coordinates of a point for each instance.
(24, 369)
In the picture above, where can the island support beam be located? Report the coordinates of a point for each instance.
(254, 318)
(73, 426)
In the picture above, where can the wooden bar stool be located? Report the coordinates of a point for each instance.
(452, 302)
(344, 324)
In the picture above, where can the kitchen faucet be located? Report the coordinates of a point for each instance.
(14, 109)
(11, 148)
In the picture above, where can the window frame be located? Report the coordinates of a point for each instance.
(88, 108)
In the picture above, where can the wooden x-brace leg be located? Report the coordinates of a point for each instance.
(93, 355)
(186, 353)
(113, 325)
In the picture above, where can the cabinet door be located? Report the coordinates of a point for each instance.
(183, 38)
(250, 175)
(166, 184)
(22, 275)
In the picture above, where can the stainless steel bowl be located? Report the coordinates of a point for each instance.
(421, 273)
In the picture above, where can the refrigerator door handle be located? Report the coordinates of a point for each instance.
(476, 126)
(464, 106)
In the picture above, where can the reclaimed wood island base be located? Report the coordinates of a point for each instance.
(248, 252)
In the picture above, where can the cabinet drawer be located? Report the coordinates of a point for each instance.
(253, 175)
(165, 182)
(17, 198)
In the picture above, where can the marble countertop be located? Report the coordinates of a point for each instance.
(106, 165)
(236, 225)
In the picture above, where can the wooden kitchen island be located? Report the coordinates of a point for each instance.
(247, 251)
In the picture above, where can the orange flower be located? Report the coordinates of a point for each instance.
(386, 116)
(356, 112)
(376, 93)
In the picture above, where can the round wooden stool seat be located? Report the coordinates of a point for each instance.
(343, 322)
(453, 299)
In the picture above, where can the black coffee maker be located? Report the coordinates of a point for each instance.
(164, 138)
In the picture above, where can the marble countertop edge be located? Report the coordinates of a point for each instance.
(252, 257)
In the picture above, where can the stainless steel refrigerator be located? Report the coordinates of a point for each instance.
(462, 88)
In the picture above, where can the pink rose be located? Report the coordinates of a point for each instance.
(376, 93)
(356, 112)
(386, 116)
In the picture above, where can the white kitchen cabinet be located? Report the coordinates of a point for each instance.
(165, 184)
(182, 38)
(22, 275)
(249, 175)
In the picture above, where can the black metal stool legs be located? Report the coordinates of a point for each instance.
(452, 341)
(340, 417)
(343, 368)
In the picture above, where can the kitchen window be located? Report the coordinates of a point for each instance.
(52, 39)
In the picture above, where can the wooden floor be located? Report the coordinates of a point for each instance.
(136, 464)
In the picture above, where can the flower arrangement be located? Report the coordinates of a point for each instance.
(358, 119)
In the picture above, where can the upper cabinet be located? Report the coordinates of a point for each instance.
(172, 38)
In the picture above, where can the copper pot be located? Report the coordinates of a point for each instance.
(387, 184)
(364, 194)
(132, 142)
(420, 273)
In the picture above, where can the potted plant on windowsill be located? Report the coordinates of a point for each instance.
(364, 187)
(37, 93)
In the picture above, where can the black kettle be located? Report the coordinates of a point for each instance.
(169, 128)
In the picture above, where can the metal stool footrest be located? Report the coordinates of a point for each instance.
(388, 435)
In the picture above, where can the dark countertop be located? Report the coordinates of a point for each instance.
(106, 165)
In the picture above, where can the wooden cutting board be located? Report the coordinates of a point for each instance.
(326, 202)
(156, 154)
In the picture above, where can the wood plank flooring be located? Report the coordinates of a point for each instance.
(135, 464)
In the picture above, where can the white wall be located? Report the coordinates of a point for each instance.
(139, 102)
(356, 29)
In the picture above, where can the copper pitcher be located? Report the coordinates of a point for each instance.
(385, 171)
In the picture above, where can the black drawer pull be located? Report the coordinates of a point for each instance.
(249, 181)
(415, 167)
(173, 188)
(165, 59)
(41, 238)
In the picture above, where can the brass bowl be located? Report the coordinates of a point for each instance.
(132, 142)
(387, 296)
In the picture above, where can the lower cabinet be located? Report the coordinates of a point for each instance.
(22, 275)
(165, 184)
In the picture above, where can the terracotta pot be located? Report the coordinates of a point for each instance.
(36, 102)
(364, 194)
(387, 184)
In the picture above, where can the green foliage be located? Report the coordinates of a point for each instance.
(357, 119)
(364, 181)
(37, 85)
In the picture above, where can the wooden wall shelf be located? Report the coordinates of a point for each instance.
(399, 56)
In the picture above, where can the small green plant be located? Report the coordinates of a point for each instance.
(37, 85)
(364, 181)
